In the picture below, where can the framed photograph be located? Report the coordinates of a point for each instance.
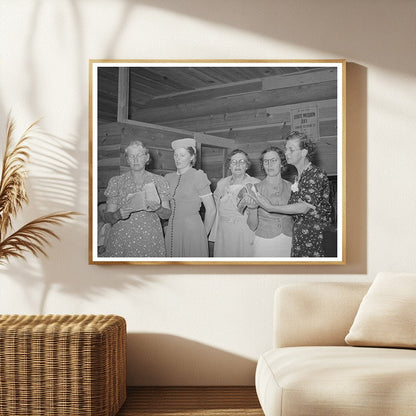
(217, 162)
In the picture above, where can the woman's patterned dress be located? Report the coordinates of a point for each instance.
(312, 187)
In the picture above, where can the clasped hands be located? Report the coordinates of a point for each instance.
(253, 202)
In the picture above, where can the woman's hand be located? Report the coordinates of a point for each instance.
(125, 213)
(250, 202)
(306, 206)
(264, 202)
(153, 206)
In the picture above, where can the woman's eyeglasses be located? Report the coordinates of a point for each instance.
(136, 157)
(270, 161)
(238, 162)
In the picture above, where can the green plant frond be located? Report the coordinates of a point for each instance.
(32, 237)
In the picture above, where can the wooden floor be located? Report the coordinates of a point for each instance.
(187, 401)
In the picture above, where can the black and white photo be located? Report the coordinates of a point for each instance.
(217, 162)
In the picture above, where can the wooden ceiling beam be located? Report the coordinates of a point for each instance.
(311, 76)
(271, 132)
(202, 94)
(253, 100)
(250, 118)
(202, 138)
(123, 94)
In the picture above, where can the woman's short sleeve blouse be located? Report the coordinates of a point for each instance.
(202, 183)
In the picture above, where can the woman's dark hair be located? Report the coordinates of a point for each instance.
(279, 151)
(304, 142)
(235, 152)
(192, 152)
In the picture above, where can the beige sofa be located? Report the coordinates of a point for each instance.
(311, 370)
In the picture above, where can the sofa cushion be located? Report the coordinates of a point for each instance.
(387, 314)
(315, 313)
(304, 381)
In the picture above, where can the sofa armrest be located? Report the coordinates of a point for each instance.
(308, 314)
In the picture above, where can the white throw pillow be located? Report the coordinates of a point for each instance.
(387, 314)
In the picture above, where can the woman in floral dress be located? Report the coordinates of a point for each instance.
(136, 232)
(309, 202)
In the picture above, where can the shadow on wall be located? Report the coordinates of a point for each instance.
(67, 189)
(82, 287)
(334, 27)
(161, 359)
(55, 184)
(356, 168)
(52, 186)
(60, 180)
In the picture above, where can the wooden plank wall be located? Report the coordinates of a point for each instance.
(250, 115)
(107, 93)
(113, 139)
(213, 163)
(255, 114)
(254, 140)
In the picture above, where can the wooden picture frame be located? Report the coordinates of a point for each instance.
(223, 105)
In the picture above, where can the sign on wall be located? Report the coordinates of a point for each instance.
(305, 119)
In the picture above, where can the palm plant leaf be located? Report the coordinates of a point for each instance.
(35, 235)
(12, 183)
(32, 237)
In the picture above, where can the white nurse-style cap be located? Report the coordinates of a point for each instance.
(184, 143)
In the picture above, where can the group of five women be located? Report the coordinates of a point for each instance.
(244, 217)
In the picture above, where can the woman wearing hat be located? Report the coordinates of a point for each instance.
(186, 234)
(136, 227)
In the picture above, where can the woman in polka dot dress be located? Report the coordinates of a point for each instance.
(136, 233)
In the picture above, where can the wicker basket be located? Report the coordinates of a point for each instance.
(71, 365)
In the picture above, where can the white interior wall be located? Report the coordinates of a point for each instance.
(191, 325)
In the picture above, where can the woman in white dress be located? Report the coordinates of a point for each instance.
(231, 235)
